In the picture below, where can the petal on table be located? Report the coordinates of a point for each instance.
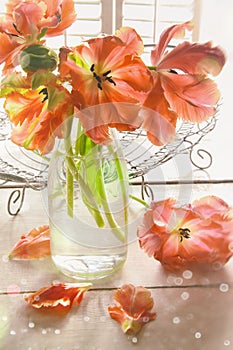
(34, 245)
(132, 308)
(58, 296)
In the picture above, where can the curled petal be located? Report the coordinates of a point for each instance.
(175, 31)
(210, 206)
(193, 58)
(58, 296)
(133, 308)
(192, 97)
(133, 42)
(34, 245)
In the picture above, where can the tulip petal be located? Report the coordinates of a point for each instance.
(58, 296)
(68, 16)
(175, 31)
(159, 120)
(210, 205)
(133, 42)
(133, 308)
(9, 50)
(193, 58)
(192, 97)
(34, 245)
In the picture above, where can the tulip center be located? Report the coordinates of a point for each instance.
(101, 78)
(184, 233)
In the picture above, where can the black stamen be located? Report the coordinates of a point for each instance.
(14, 25)
(97, 77)
(99, 86)
(184, 233)
(172, 71)
(111, 80)
(92, 67)
(44, 91)
(106, 73)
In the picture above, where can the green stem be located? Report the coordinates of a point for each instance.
(83, 147)
(139, 200)
(92, 206)
(72, 172)
(122, 182)
(107, 210)
(70, 192)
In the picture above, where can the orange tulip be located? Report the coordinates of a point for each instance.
(38, 115)
(28, 18)
(182, 87)
(34, 245)
(26, 22)
(200, 234)
(109, 77)
(58, 296)
(133, 309)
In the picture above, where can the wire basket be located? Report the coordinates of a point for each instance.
(21, 169)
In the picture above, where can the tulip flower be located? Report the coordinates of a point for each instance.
(183, 87)
(179, 237)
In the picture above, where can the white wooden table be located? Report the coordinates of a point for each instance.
(194, 310)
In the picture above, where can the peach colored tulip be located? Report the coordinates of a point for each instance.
(182, 85)
(110, 79)
(199, 234)
(38, 115)
(26, 22)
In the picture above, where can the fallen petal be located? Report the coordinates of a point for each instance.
(132, 308)
(58, 296)
(34, 245)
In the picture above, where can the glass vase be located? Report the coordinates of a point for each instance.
(88, 193)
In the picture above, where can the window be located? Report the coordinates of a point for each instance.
(148, 17)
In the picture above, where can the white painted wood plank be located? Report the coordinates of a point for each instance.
(193, 318)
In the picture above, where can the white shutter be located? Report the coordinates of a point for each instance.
(151, 17)
(148, 17)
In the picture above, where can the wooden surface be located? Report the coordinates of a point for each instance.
(194, 310)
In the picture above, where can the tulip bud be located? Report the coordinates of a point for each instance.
(36, 57)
